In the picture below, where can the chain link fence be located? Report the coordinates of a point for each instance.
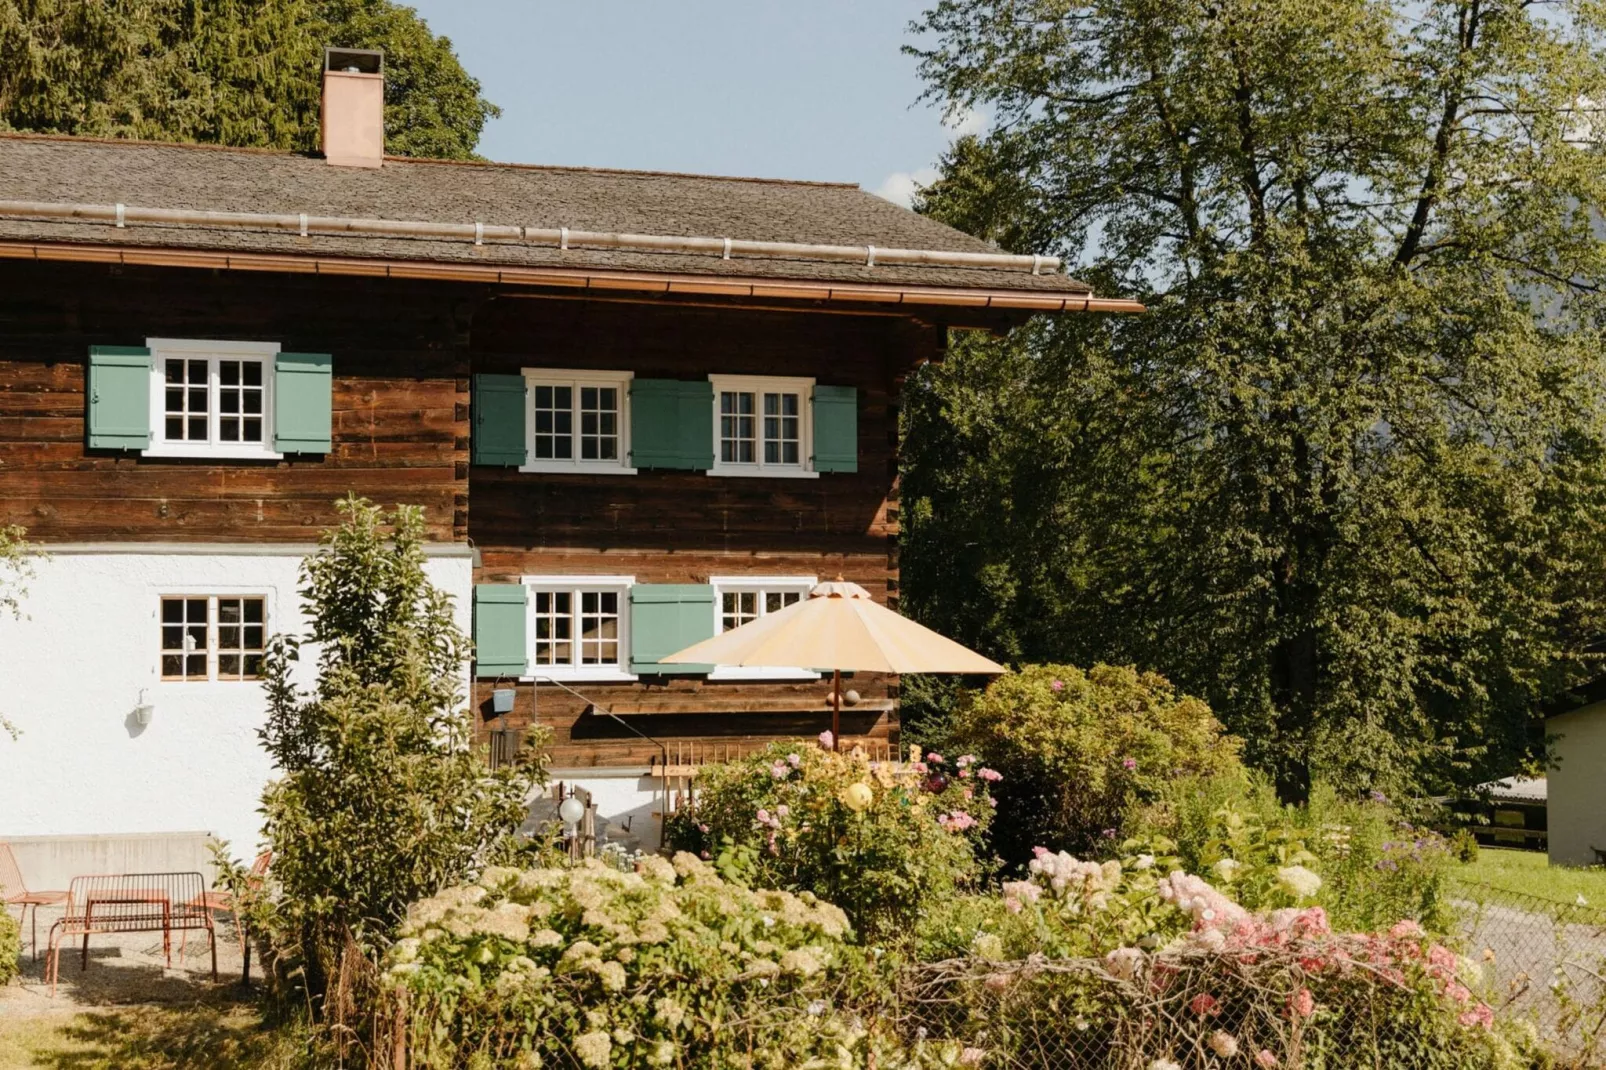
(1545, 962)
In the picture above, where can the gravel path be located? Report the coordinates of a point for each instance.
(123, 969)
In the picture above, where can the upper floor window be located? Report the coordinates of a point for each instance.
(577, 421)
(762, 425)
(578, 627)
(740, 600)
(212, 399)
(213, 637)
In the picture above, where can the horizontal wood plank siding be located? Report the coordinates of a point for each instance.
(685, 527)
(400, 396)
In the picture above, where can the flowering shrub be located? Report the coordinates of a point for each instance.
(670, 966)
(879, 842)
(1124, 966)
(1359, 859)
(1080, 750)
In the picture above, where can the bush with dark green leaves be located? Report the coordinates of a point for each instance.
(1079, 751)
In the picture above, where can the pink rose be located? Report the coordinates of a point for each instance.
(827, 739)
(1480, 1016)
(1303, 1004)
(1204, 1004)
(934, 758)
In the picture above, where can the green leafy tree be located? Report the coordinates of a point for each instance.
(229, 72)
(1344, 480)
(382, 798)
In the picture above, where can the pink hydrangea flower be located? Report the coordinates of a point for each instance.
(992, 776)
(1265, 1058)
(1481, 1017)
(794, 759)
(964, 760)
(934, 758)
(1406, 929)
(1303, 1004)
(827, 739)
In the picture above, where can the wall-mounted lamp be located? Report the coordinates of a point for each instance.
(143, 711)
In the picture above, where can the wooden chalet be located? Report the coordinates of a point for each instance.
(636, 408)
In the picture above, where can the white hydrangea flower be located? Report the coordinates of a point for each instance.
(1299, 881)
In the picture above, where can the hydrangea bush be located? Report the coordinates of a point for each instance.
(669, 966)
(879, 841)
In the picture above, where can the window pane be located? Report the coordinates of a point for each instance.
(554, 628)
(554, 422)
(184, 401)
(240, 392)
(599, 421)
(782, 428)
(738, 427)
(240, 645)
(599, 627)
(184, 633)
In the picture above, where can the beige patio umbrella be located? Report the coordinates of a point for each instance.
(841, 628)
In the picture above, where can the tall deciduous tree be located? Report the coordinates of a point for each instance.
(229, 72)
(1347, 478)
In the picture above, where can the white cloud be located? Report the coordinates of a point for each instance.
(900, 186)
(969, 121)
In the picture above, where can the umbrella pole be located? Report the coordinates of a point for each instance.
(836, 709)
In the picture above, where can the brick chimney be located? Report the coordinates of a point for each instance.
(353, 129)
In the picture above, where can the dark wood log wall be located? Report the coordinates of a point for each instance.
(404, 352)
(683, 527)
(400, 402)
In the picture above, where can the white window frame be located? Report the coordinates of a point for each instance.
(212, 351)
(759, 385)
(574, 671)
(722, 584)
(210, 592)
(534, 377)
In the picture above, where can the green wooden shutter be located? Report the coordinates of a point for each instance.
(119, 398)
(498, 420)
(499, 646)
(303, 402)
(666, 617)
(836, 429)
(672, 424)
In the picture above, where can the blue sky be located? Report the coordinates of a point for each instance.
(814, 89)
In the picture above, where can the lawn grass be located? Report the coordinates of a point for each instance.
(200, 1036)
(1530, 873)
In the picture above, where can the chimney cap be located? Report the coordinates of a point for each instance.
(364, 60)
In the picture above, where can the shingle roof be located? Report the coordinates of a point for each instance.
(150, 175)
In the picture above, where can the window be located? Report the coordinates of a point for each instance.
(213, 637)
(211, 399)
(761, 426)
(577, 627)
(577, 421)
(740, 600)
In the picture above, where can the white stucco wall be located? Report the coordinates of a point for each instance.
(1576, 792)
(72, 670)
(629, 804)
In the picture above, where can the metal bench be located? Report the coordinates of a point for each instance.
(131, 903)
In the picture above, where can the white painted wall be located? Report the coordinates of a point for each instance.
(630, 805)
(1576, 791)
(71, 673)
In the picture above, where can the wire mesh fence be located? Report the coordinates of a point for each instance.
(1545, 961)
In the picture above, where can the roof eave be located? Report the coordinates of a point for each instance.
(579, 278)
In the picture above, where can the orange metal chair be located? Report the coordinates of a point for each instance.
(15, 893)
(223, 900)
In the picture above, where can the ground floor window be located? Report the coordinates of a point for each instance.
(740, 600)
(578, 626)
(213, 637)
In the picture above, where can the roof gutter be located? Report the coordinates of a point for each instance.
(585, 279)
(122, 215)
